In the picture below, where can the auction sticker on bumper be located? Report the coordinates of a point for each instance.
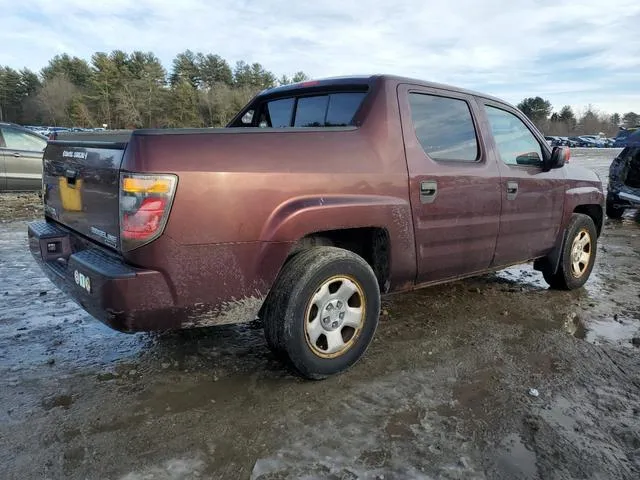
(82, 280)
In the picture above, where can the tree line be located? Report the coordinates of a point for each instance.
(566, 123)
(133, 90)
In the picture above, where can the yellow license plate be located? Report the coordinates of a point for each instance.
(70, 195)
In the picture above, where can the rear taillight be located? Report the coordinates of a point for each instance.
(145, 202)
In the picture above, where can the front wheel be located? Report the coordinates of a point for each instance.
(323, 311)
(578, 254)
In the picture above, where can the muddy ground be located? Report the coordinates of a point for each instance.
(442, 392)
(18, 206)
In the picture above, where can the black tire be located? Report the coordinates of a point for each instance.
(290, 300)
(613, 212)
(566, 278)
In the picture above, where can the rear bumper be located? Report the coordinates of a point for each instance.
(124, 297)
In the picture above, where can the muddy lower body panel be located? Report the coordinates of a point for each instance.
(124, 297)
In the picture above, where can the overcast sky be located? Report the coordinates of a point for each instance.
(569, 51)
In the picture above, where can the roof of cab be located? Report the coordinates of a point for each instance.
(371, 79)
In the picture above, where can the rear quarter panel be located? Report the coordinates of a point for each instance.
(245, 197)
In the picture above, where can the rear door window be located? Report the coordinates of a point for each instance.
(444, 127)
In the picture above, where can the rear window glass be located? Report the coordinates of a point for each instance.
(342, 108)
(328, 110)
(444, 127)
(311, 111)
(280, 112)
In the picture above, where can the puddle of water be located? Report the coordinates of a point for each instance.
(611, 331)
(523, 275)
(175, 469)
(603, 330)
(515, 460)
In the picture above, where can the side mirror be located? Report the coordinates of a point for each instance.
(559, 156)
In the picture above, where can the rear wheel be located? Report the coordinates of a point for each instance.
(323, 311)
(578, 254)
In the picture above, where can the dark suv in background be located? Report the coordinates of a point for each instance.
(21, 153)
(624, 178)
(623, 136)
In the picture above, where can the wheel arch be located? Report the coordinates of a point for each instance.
(594, 211)
(551, 262)
(354, 222)
(588, 200)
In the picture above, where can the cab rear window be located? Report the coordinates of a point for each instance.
(322, 110)
(279, 112)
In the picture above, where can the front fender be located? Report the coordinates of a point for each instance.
(579, 196)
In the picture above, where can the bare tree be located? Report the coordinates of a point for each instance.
(221, 102)
(126, 108)
(55, 96)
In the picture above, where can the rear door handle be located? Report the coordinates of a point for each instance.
(512, 190)
(428, 191)
(17, 154)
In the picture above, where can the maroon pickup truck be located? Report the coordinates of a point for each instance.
(315, 200)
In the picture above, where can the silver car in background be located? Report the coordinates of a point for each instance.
(21, 153)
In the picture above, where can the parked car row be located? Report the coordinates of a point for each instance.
(46, 131)
(556, 141)
(586, 141)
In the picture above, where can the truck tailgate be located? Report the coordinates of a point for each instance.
(80, 187)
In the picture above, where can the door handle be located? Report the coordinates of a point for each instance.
(17, 154)
(512, 190)
(428, 191)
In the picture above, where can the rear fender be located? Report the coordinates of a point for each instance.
(303, 216)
